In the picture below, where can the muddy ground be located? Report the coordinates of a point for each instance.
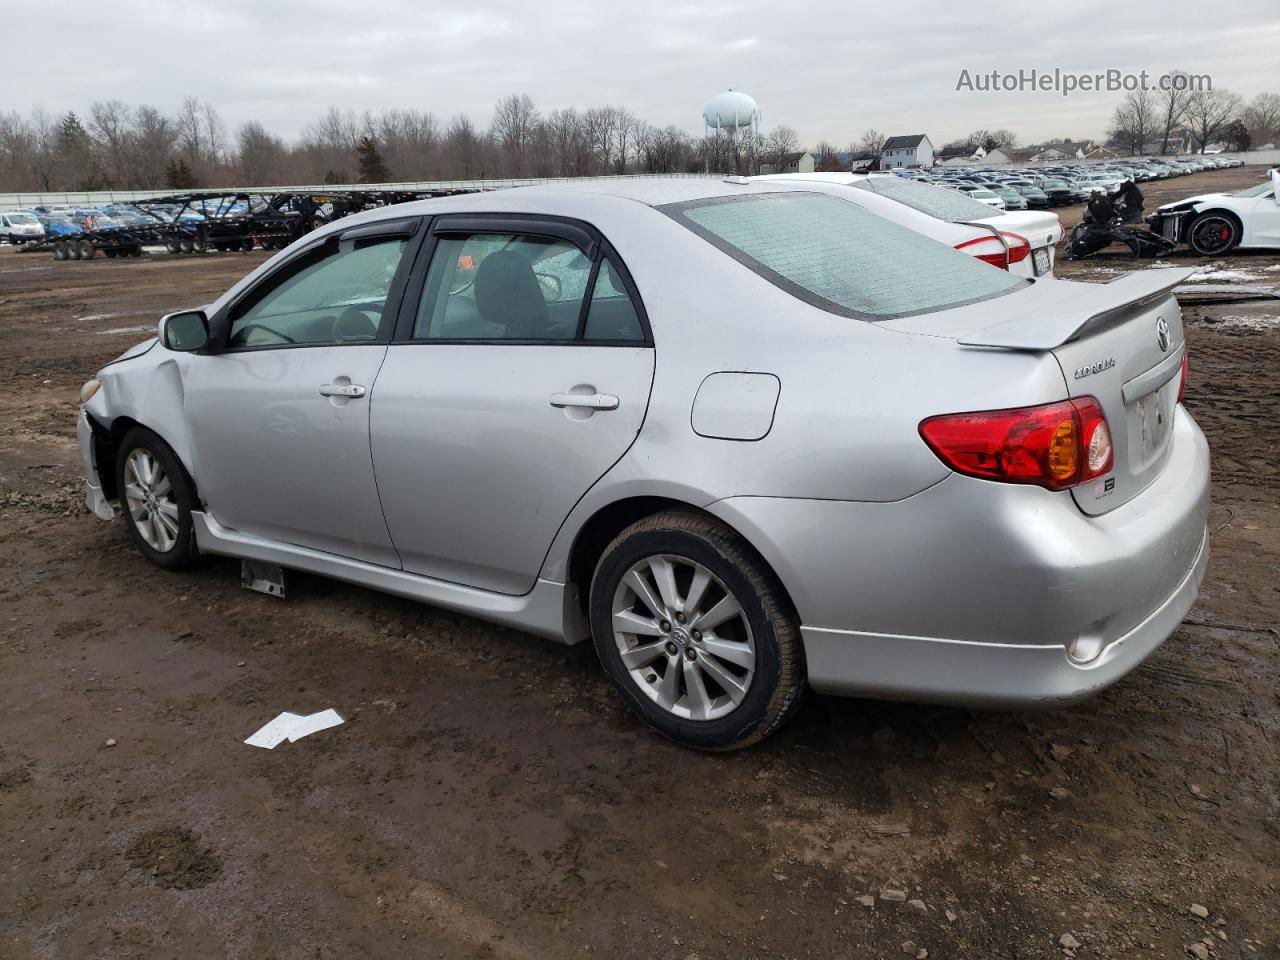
(489, 797)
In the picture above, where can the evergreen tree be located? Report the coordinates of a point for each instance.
(372, 167)
(72, 136)
(178, 175)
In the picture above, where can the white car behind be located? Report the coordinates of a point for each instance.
(1022, 242)
(1213, 224)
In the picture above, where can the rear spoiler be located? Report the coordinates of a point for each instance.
(1088, 304)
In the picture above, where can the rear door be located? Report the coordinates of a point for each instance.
(515, 381)
(1262, 226)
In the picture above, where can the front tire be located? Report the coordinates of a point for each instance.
(696, 632)
(1213, 234)
(156, 497)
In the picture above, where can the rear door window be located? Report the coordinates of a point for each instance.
(837, 256)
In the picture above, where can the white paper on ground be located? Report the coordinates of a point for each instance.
(293, 727)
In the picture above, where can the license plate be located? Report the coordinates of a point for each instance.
(1040, 262)
(1156, 421)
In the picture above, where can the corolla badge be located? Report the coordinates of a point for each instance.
(1089, 369)
(1162, 334)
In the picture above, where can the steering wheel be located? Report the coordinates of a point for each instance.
(243, 334)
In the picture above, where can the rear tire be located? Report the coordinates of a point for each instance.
(87, 250)
(60, 250)
(724, 686)
(156, 498)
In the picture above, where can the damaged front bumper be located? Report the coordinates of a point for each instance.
(94, 498)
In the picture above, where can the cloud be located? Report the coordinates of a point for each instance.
(828, 69)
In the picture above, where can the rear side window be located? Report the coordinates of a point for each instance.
(837, 256)
(935, 201)
(611, 314)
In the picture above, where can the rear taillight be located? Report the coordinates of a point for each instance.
(1186, 372)
(1062, 230)
(992, 251)
(1057, 445)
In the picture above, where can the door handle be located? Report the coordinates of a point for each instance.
(591, 401)
(341, 390)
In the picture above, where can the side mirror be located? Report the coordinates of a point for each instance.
(185, 332)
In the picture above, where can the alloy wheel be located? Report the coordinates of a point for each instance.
(1214, 235)
(683, 637)
(149, 495)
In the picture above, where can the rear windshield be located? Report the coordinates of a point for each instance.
(935, 201)
(839, 257)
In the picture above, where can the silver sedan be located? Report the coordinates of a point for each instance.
(749, 438)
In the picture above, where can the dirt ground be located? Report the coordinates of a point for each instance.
(489, 797)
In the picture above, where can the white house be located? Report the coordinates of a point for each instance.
(912, 151)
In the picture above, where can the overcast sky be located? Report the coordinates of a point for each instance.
(829, 69)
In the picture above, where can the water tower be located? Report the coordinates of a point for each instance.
(729, 119)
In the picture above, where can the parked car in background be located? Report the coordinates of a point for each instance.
(1013, 200)
(976, 191)
(1059, 194)
(1023, 243)
(1036, 198)
(611, 452)
(18, 227)
(55, 226)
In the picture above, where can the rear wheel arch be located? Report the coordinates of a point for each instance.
(595, 535)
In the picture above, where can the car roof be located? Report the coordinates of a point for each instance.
(575, 199)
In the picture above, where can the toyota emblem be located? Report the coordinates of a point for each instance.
(1162, 334)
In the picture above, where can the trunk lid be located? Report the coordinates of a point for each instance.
(1119, 342)
(1038, 227)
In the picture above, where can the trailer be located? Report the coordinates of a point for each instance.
(221, 221)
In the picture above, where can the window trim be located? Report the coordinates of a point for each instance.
(581, 234)
(411, 230)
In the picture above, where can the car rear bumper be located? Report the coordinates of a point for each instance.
(978, 593)
(979, 674)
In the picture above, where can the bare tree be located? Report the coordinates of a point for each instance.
(1208, 112)
(111, 127)
(600, 124)
(154, 139)
(779, 142)
(1171, 107)
(872, 141)
(463, 149)
(514, 120)
(1134, 121)
(1262, 118)
(263, 158)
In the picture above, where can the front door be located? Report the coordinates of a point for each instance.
(1263, 227)
(280, 415)
(522, 376)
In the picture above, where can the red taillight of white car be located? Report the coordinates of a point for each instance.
(992, 251)
(1056, 445)
(1186, 372)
